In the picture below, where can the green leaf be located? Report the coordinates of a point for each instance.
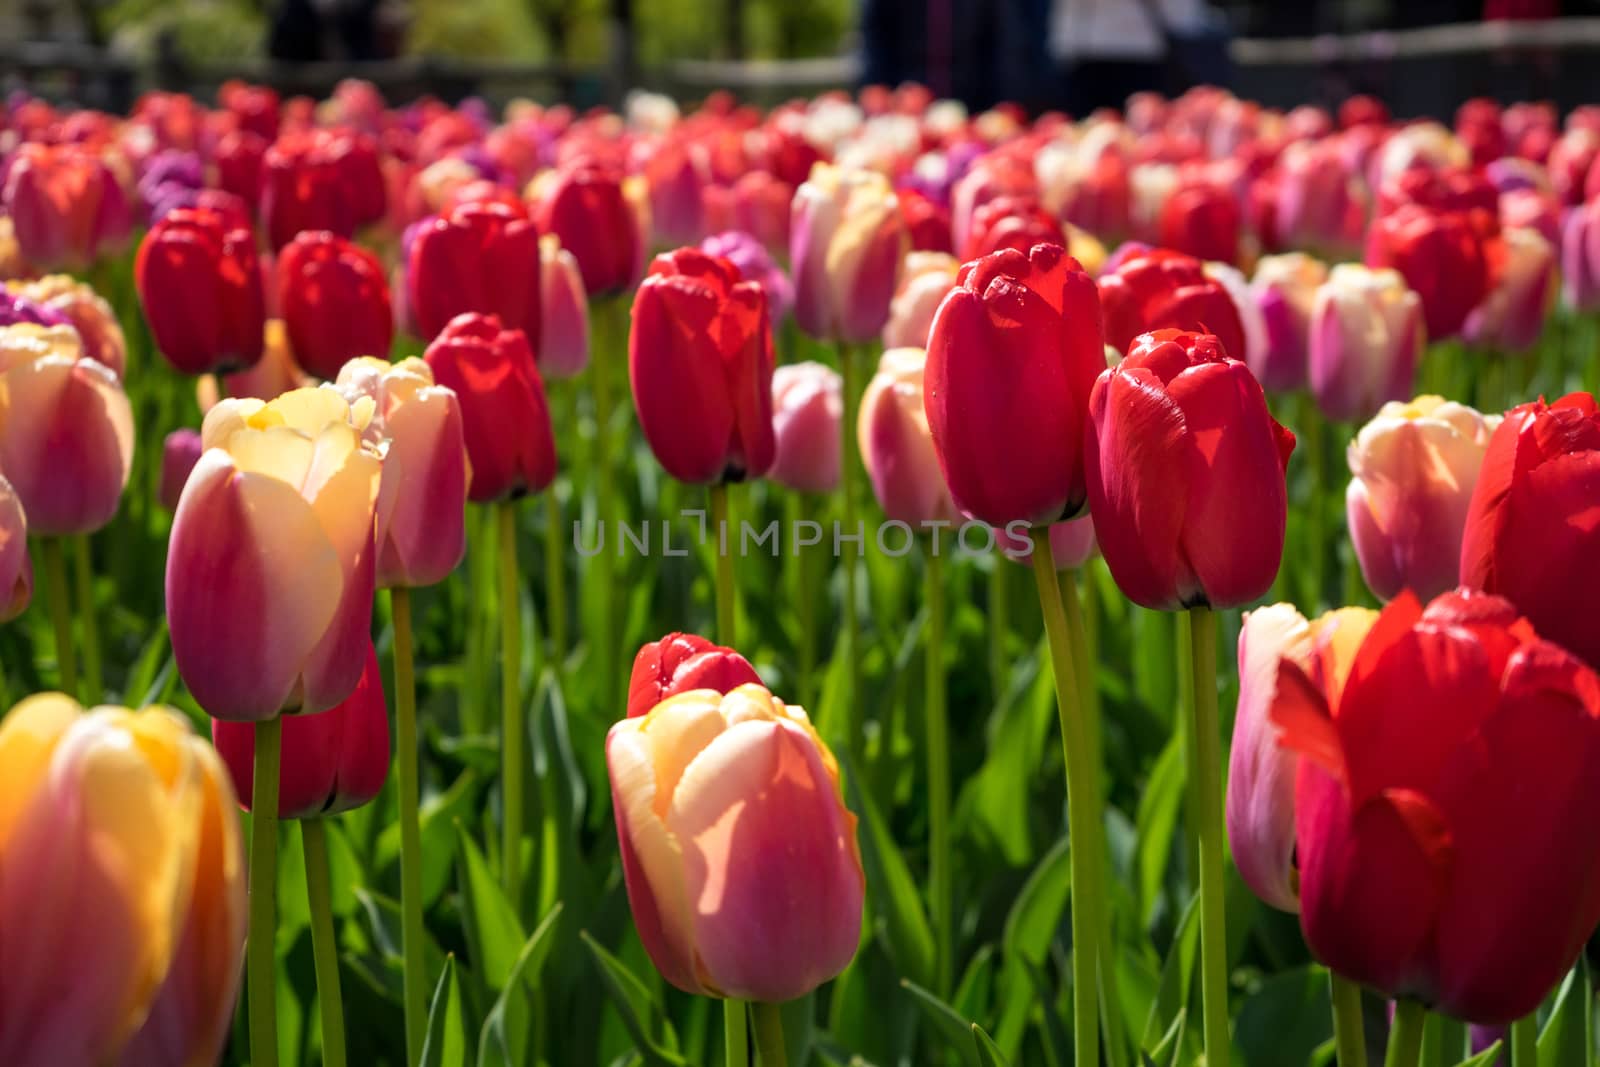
(492, 927)
(1172, 996)
(641, 1012)
(1160, 804)
(1485, 1058)
(1029, 931)
(504, 1038)
(446, 1043)
(895, 895)
(1170, 1048)
(1285, 1019)
(954, 1031)
(989, 1054)
(1561, 1044)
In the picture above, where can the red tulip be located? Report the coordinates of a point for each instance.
(1442, 257)
(1422, 779)
(238, 159)
(1201, 220)
(1186, 474)
(1018, 222)
(679, 663)
(1012, 355)
(303, 188)
(700, 360)
(334, 302)
(1160, 289)
(254, 106)
(926, 221)
(331, 761)
(200, 288)
(66, 204)
(507, 421)
(1532, 534)
(586, 207)
(477, 257)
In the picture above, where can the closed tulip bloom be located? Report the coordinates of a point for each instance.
(1316, 201)
(1456, 730)
(304, 187)
(1512, 315)
(846, 243)
(123, 887)
(200, 287)
(1366, 339)
(1158, 289)
(1261, 772)
(332, 761)
(270, 564)
(1530, 534)
(180, 451)
(927, 222)
(564, 312)
(1252, 320)
(1202, 220)
(679, 663)
(1442, 258)
(1580, 257)
(1185, 469)
(1018, 222)
(66, 204)
(807, 405)
(1413, 469)
(477, 257)
(740, 857)
(506, 419)
(700, 360)
(334, 302)
(584, 204)
(85, 311)
(924, 281)
(16, 568)
(237, 158)
(1285, 289)
(675, 171)
(421, 533)
(1531, 209)
(1012, 355)
(66, 430)
(896, 445)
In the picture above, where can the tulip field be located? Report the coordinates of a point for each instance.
(855, 584)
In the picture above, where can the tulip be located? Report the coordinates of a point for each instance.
(1285, 289)
(675, 172)
(1413, 468)
(584, 204)
(1072, 544)
(1261, 773)
(740, 857)
(1317, 202)
(180, 451)
(303, 187)
(66, 204)
(1252, 320)
(16, 568)
(1441, 256)
(846, 243)
(1012, 354)
(682, 663)
(1456, 730)
(13, 264)
(1201, 220)
(927, 223)
(924, 281)
(1580, 257)
(123, 888)
(1530, 532)
(1366, 339)
(700, 360)
(238, 159)
(334, 302)
(564, 312)
(85, 311)
(506, 419)
(1156, 289)
(755, 264)
(1530, 209)
(807, 406)
(1512, 315)
(757, 203)
(1018, 222)
(481, 258)
(200, 288)
(66, 430)
(1186, 475)
(15, 308)
(270, 564)
(896, 445)
(421, 534)
(332, 761)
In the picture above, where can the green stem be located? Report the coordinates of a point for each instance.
(770, 1051)
(1206, 736)
(1524, 1041)
(736, 1032)
(512, 740)
(849, 459)
(723, 535)
(1348, 1034)
(84, 577)
(260, 951)
(555, 580)
(1083, 805)
(475, 705)
(805, 604)
(999, 628)
(940, 893)
(1405, 1034)
(406, 758)
(55, 569)
(324, 946)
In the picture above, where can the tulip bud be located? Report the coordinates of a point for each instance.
(1442, 258)
(1512, 315)
(925, 280)
(69, 482)
(1018, 222)
(1201, 220)
(122, 848)
(1366, 338)
(238, 161)
(1285, 289)
(1012, 355)
(762, 906)
(200, 288)
(679, 663)
(1252, 321)
(896, 446)
(675, 171)
(564, 312)
(477, 257)
(304, 188)
(331, 761)
(1214, 534)
(1157, 289)
(927, 222)
(700, 360)
(584, 204)
(1318, 203)
(66, 204)
(179, 453)
(846, 242)
(16, 568)
(421, 529)
(334, 302)
(1530, 531)
(807, 405)
(85, 311)
(505, 417)
(270, 564)
(1412, 472)
(1580, 257)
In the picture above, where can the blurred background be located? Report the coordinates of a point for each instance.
(1421, 56)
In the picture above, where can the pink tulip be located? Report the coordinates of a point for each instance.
(1512, 315)
(1366, 338)
(564, 320)
(86, 311)
(807, 404)
(1285, 289)
(846, 243)
(924, 281)
(1072, 544)
(897, 446)
(1580, 257)
(66, 203)
(16, 569)
(179, 453)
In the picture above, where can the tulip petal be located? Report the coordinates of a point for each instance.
(680, 387)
